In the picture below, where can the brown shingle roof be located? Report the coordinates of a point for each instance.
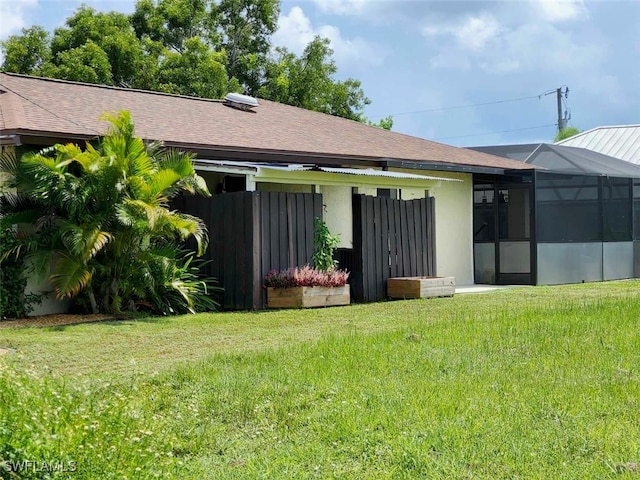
(32, 106)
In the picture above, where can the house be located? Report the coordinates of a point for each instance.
(622, 141)
(403, 206)
(575, 219)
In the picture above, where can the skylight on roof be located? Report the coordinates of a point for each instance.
(241, 102)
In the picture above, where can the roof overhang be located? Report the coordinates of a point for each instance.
(254, 155)
(448, 167)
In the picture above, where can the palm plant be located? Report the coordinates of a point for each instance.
(98, 220)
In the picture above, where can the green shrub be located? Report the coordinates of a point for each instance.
(14, 302)
(324, 244)
(97, 221)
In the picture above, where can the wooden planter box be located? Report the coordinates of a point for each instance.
(421, 287)
(307, 297)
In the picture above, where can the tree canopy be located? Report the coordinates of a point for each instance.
(565, 133)
(204, 48)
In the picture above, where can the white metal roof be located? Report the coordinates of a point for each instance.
(370, 172)
(254, 168)
(621, 142)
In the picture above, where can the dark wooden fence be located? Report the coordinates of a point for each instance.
(251, 233)
(391, 238)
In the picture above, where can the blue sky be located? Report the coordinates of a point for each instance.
(417, 59)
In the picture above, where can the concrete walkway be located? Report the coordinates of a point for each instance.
(484, 288)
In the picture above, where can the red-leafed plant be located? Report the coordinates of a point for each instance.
(306, 277)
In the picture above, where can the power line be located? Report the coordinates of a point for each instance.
(496, 102)
(33, 102)
(501, 131)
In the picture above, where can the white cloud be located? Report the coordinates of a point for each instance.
(342, 7)
(450, 62)
(477, 31)
(507, 42)
(560, 10)
(12, 14)
(295, 31)
(472, 33)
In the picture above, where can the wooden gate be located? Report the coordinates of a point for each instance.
(251, 233)
(391, 238)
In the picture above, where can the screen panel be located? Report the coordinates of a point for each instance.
(568, 208)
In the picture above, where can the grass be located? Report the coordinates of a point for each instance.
(523, 383)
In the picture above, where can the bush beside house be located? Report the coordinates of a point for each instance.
(97, 223)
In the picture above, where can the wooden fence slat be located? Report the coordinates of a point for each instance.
(417, 232)
(431, 235)
(422, 229)
(398, 238)
(291, 236)
(283, 232)
(274, 231)
(358, 251)
(256, 248)
(228, 258)
(369, 278)
(386, 269)
(377, 249)
(411, 239)
(393, 248)
(240, 240)
(300, 229)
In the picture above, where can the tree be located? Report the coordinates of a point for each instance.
(26, 53)
(197, 71)
(385, 123)
(307, 82)
(110, 32)
(565, 133)
(171, 22)
(245, 28)
(103, 228)
(86, 63)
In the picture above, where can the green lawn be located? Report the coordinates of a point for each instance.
(521, 383)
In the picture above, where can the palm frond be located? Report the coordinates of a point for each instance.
(121, 123)
(148, 210)
(162, 181)
(178, 161)
(71, 276)
(96, 241)
(195, 185)
(186, 226)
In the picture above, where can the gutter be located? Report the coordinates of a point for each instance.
(10, 140)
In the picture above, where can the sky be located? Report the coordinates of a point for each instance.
(465, 73)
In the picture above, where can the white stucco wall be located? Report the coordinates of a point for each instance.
(49, 302)
(412, 193)
(454, 228)
(338, 212)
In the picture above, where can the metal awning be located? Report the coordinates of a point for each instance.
(255, 168)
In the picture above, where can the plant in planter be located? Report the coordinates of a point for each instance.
(319, 286)
(324, 244)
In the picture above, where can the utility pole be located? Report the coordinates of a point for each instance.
(559, 98)
(562, 121)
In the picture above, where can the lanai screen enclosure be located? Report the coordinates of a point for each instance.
(576, 220)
